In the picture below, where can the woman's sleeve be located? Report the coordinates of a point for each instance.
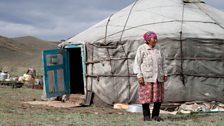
(137, 64)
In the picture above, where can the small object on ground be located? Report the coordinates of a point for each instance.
(7, 79)
(134, 108)
(65, 98)
(120, 106)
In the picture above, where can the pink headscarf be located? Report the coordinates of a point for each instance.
(148, 35)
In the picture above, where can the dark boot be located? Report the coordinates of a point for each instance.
(155, 112)
(146, 112)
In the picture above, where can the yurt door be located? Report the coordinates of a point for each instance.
(55, 78)
(76, 68)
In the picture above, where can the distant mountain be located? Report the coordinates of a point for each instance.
(18, 54)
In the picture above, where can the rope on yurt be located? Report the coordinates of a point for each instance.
(105, 36)
(126, 55)
(181, 48)
(201, 75)
(105, 41)
(130, 28)
(210, 17)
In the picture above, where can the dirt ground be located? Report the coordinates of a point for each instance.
(14, 112)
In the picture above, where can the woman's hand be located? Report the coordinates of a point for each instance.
(165, 78)
(141, 81)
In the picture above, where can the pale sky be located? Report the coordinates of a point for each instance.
(59, 19)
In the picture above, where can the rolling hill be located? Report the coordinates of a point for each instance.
(18, 54)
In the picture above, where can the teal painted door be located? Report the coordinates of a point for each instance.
(55, 77)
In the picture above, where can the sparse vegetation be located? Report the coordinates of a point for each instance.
(14, 112)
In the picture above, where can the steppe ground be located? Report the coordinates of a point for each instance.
(13, 112)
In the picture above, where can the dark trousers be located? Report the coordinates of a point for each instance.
(155, 111)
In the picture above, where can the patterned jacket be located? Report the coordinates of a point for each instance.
(150, 64)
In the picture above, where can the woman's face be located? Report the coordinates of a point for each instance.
(153, 42)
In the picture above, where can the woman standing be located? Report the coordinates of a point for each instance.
(150, 68)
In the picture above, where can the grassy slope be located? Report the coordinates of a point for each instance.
(18, 54)
(14, 112)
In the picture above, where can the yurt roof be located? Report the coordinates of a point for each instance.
(168, 18)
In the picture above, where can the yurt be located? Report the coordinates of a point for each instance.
(100, 59)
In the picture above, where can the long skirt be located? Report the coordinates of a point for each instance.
(151, 92)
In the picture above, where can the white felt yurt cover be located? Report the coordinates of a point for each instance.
(190, 33)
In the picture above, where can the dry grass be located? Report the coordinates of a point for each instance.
(14, 112)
